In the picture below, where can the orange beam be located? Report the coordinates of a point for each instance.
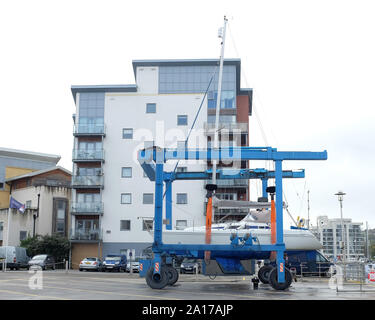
(207, 254)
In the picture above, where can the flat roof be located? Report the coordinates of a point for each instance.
(103, 88)
(29, 155)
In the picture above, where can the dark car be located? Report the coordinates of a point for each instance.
(190, 266)
(43, 261)
(115, 262)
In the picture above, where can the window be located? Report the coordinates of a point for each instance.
(147, 225)
(151, 108)
(127, 133)
(181, 198)
(182, 120)
(148, 198)
(126, 172)
(1, 185)
(181, 169)
(60, 216)
(124, 225)
(181, 224)
(28, 204)
(23, 235)
(126, 198)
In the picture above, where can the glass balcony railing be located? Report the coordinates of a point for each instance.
(89, 129)
(85, 234)
(231, 183)
(88, 155)
(88, 181)
(234, 127)
(87, 207)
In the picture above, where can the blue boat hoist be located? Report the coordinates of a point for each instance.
(159, 271)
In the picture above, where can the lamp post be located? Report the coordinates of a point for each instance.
(340, 196)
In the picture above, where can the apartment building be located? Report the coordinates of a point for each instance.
(329, 232)
(112, 199)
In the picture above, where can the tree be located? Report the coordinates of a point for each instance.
(54, 245)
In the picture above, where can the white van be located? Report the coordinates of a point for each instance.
(15, 257)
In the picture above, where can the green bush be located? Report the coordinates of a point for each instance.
(54, 245)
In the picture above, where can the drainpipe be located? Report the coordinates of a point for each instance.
(36, 215)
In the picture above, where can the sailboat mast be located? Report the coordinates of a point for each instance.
(218, 100)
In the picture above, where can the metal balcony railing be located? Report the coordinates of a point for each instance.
(85, 234)
(89, 129)
(87, 208)
(88, 155)
(88, 181)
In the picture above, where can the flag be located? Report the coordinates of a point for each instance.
(14, 204)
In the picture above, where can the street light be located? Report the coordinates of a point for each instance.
(340, 196)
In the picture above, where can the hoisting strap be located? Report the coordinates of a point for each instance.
(273, 228)
(207, 254)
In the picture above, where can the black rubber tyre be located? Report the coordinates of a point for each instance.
(280, 286)
(264, 273)
(157, 281)
(172, 275)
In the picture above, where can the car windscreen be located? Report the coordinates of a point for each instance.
(113, 258)
(189, 261)
(90, 259)
(40, 257)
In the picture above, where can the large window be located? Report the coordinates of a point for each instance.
(124, 225)
(60, 216)
(91, 110)
(23, 235)
(126, 198)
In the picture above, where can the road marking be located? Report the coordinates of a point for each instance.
(32, 295)
(105, 292)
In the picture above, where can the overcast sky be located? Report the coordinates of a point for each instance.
(311, 65)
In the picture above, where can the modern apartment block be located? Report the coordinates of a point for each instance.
(329, 232)
(112, 199)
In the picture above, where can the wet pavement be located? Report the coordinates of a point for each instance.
(75, 285)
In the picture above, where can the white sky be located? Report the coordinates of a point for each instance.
(311, 65)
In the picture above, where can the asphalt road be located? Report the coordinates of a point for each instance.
(75, 285)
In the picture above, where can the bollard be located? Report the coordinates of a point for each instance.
(255, 282)
(66, 266)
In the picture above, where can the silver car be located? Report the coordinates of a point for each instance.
(43, 261)
(91, 263)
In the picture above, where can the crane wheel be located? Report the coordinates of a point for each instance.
(264, 273)
(280, 286)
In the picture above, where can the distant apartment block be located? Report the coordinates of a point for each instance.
(329, 232)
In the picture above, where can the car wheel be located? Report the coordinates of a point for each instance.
(80, 269)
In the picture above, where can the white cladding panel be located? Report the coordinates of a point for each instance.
(129, 111)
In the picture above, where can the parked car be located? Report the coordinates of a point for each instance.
(15, 257)
(91, 264)
(190, 266)
(309, 262)
(115, 262)
(43, 261)
(134, 264)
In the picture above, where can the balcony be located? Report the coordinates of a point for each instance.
(89, 130)
(88, 155)
(88, 181)
(235, 127)
(92, 208)
(85, 235)
(231, 183)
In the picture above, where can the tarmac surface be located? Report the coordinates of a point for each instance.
(75, 285)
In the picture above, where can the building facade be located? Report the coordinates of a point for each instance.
(329, 232)
(112, 199)
(46, 195)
